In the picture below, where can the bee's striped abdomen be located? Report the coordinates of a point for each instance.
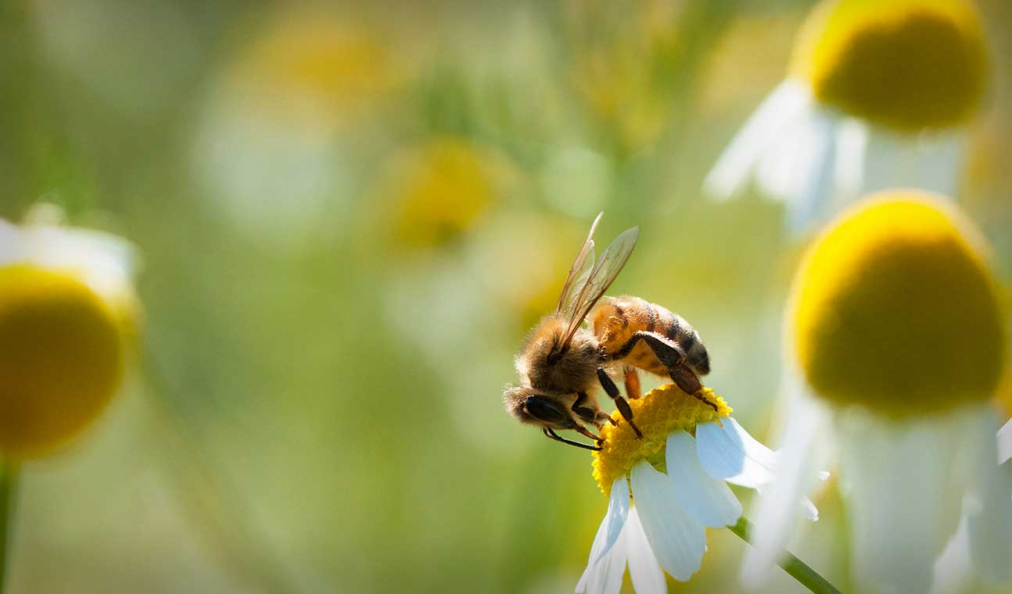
(686, 337)
(616, 319)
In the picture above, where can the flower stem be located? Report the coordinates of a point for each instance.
(8, 500)
(796, 568)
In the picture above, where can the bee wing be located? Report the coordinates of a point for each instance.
(578, 273)
(612, 259)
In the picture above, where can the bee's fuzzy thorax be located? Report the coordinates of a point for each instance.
(573, 371)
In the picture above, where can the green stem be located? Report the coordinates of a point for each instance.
(796, 568)
(8, 499)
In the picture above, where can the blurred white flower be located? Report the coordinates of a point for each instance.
(897, 342)
(67, 312)
(879, 95)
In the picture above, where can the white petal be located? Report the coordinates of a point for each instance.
(618, 509)
(906, 481)
(851, 144)
(729, 453)
(953, 569)
(595, 550)
(1005, 442)
(705, 498)
(677, 539)
(987, 508)
(940, 163)
(812, 178)
(927, 162)
(882, 160)
(982, 546)
(607, 577)
(782, 170)
(10, 243)
(646, 573)
(603, 574)
(763, 128)
(894, 525)
(809, 511)
(806, 509)
(776, 513)
(990, 530)
(106, 263)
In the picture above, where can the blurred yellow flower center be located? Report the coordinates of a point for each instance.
(657, 414)
(894, 308)
(339, 68)
(61, 358)
(905, 64)
(442, 190)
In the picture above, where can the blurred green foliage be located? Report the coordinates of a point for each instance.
(349, 216)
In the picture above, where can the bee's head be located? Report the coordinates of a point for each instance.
(540, 407)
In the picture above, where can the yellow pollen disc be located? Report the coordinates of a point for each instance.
(657, 414)
(895, 309)
(61, 358)
(904, 64)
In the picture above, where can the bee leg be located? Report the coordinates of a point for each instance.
(623, 406)
(632, 383)
(673, 357)
(552, 435)
(586, 433)
(584, 412)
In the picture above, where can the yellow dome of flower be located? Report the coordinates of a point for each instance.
(894, 308)
(905, 64)
(61, 358)
(658, 413)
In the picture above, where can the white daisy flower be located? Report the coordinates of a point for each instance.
(878, 95)
(700, 450)
(897, 341)
(67, 308)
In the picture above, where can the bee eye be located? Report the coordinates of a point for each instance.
(545, 410)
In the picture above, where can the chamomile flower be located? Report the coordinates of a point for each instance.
(67, 308)
(897, 340)
(665, 489)
(878, 95)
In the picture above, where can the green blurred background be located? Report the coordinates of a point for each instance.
(349, 215)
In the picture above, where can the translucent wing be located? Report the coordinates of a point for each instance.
(578, 274)
(612, 259)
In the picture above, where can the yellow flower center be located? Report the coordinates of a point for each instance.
(61, 358)
(335, 65)
(442, 190)
(657, 414)
(894, 308)
(905, 64)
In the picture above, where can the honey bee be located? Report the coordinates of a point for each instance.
(562, 363)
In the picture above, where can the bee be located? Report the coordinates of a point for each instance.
(562, 363)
